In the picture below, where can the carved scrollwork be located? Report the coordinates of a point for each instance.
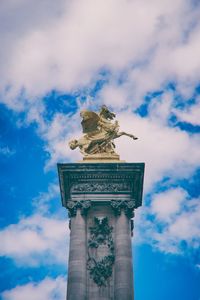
(128, 207)
(100, 234)
(73, 206)
(101, 187)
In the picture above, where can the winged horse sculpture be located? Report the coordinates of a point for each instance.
(100, 131)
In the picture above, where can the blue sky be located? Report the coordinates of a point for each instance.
(141, 59)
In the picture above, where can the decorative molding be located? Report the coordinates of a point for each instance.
(100, 234)
(101, 187)
(99, 176)
(80, 173)
(73, 206)
(128, 207)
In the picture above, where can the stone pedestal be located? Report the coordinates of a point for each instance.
(101, 198)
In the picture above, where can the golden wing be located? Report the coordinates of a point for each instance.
(90, 121)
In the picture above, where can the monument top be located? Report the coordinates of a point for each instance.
(100, 131)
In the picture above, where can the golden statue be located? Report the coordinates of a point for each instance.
(99, 135)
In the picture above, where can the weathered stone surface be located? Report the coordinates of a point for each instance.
(123, 181)
(123, 262)
(101, 190)
(76, 289)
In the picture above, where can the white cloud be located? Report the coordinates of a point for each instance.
(114, 95)
(171, 219)
(47, 289)
(135, 39)
(43, 201)
(166, 205)
(191, 114)
(36, 239)
(187, 225)
(166, 151)
(40, 238)
(68, 43)
(160, 109)
(57, 135)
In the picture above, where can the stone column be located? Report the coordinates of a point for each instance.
(76, 288)
(123, 251)
(109, 273)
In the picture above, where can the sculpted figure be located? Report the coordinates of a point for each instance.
(99, 133)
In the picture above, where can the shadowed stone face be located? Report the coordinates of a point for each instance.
(101, 199)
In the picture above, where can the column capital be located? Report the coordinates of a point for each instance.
(73, 206)
(127, 205)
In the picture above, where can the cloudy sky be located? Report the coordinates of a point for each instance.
(142, 59)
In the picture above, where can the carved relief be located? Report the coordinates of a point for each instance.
(101, 187)
(100, 235)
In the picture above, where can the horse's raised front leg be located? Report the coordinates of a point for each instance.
(127, 134)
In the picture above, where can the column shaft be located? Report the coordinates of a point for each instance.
(76, 289)
(123, 262)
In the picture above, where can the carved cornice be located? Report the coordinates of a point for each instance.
(73, 206)
(101, 178)
(128, 207)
